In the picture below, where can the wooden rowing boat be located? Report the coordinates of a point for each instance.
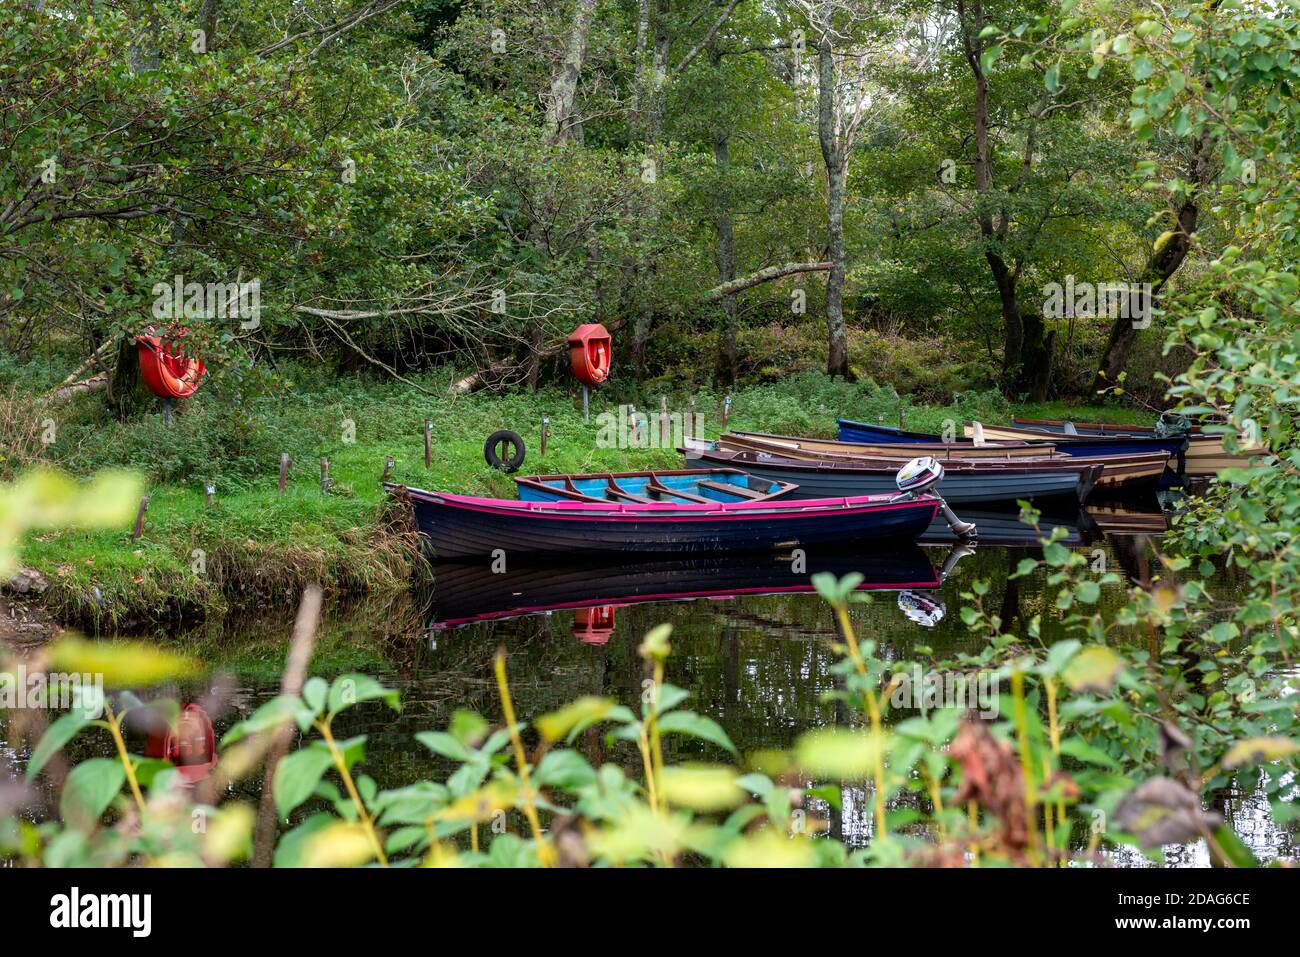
(462, 526)
(963, 482)
(1205, 454)
(851, 431)
(699, 486)
(958, 449)
(1121, 470)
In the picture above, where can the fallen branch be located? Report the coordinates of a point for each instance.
(64, 393)
(762, 276)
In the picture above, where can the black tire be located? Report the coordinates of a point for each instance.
(493, 457)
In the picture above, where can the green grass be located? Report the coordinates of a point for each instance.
(256, 547)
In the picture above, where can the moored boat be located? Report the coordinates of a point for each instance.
(1206, 453)
(462, 526)
(851, 431)
(960, 449)
(699, 486)
(963, 482)
(1122, 470)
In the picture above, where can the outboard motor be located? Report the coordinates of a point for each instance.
(922, 474)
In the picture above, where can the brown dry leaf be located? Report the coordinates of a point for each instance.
(991, 777)
(1164, 811)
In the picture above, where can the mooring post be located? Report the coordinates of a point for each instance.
(428, 443)
(900, 415)
(139, 517)
(635, 439)
(663, 421)
(546, 426)
(388, 468)
(209, 490)
(726, 411)
(689, 428)
(285, 462)
(324, 474)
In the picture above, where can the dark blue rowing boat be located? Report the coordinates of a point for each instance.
(851, 431)
(461, 526)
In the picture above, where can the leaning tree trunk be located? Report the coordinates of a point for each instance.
(564, 83)
(1162, 264)
(836, 160)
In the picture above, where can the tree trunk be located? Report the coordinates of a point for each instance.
(836, 160)
(724, 373)
(1161, 265)
(564, 84)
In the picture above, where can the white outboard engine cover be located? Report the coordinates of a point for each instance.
(919, 474)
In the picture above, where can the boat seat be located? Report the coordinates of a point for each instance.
(738, 490)
(616, 492)
(656, 486)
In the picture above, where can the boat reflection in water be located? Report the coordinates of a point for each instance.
(468, 593)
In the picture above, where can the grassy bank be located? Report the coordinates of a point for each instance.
(253, 546)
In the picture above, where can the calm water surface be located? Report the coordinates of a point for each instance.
(751, 643)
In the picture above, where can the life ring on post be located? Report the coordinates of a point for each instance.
(498, 440)
(590, 353)
(166, 369)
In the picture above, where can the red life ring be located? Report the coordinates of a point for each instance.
(590, 353)
(167, 371)
(191, 745)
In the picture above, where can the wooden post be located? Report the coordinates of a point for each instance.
(209, 490)
(324, 474)
(586, 404)
(726, 411)
(428, 443)
(139, 518)
(546, 426)
(689, 428)
(900, 416)
(285, 462)
(388, 468)
(663, 422)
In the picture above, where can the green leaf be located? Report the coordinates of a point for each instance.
(277, 711)
(56, 736)
(696, 726)
(88, 791)
(1083, 751)
(296, 777)
(440, 742)
(352, 689)
(565, 769)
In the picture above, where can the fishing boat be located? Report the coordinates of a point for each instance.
(700, 486)
(962, 483)
(470, 592)
(1122, 470)
(463, 526)
(851, 431)
(1206, 454)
